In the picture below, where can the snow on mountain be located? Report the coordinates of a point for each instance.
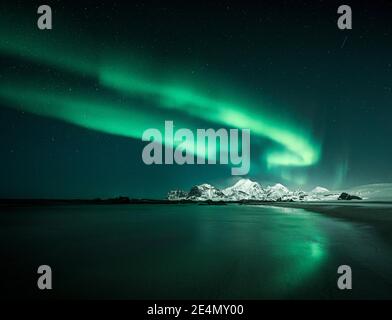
(320, 190)
(177, 195)
(322, 194)
(205, 192)
(276, 192)
(245, 189)
(297, 195)
(378, 191)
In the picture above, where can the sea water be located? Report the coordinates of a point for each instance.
(189, 252)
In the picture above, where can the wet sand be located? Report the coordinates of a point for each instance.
(375, 214)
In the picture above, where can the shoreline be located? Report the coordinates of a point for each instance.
(374, 214)
(377, 214)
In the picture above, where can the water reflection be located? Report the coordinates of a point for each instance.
(195, 252)
(282, 247)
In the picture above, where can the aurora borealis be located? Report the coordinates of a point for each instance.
(298, 149)
(105, 74)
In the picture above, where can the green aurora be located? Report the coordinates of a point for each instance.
(294, 145)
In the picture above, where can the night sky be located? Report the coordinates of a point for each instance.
(75, 100)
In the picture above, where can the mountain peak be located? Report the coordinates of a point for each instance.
(243, 182)
(245, 189)
(205, 185)
(319, 190)
(280, 186)
(204, 191)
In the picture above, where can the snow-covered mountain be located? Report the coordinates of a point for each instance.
(319, 190)
(277, 192)
(322, 194)
(205, 192)
(246, 189)
(177, 195)
(373, 192)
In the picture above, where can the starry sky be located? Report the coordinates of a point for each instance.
(75, 100)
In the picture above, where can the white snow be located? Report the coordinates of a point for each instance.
(319, 190)
(246, 189)
(378, 191)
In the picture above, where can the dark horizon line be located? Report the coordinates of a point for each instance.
(125, 200)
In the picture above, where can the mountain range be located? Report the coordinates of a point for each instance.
(246, 189)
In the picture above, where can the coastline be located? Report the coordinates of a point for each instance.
(377, 214)
(374, 214)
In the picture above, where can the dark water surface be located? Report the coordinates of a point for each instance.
(189, 251)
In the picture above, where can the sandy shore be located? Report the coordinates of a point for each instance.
(376, 214)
